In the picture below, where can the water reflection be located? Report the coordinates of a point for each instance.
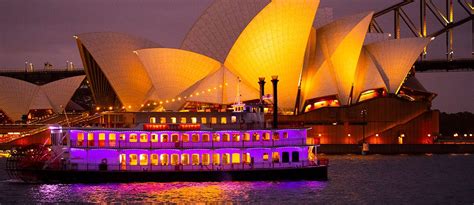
(178, 192)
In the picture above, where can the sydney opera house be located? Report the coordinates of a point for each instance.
(336, 77)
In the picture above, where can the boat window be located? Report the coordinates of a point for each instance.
(246, 158)
(164, 137)
(205, 159)
(143, 137)
(203, 120)
(174, 159)
(285, 135)
(223, 120)
(276, 136)
(226, 137)
(154, 159)
(133, 159)
(226, 158)
(285, 157)
(174, 138)
(195, 159)
(185, 137)
(266, 136)
(235, 158)
(195, 137)
(216, 159)
(255, 136)
(152, 119)
(265, 156)
(162, 120)
(122, 137)
(123, 161)
(213, 120)
(246, 136)
(112, 140)
(194, 120)
(80, 139)
(216, 137)
(154, 137)
(183, 120)
(164, 159)
(295, 156)
(235, 137)
(276, 157)
(101, 139)
(205, 138)
(233, 119)
(185, 159)
(173, 120)
(90, 139)
(132, 138)
(143, 159)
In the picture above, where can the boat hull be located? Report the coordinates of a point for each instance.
(70, 176)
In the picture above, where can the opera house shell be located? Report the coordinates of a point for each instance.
(321, 64)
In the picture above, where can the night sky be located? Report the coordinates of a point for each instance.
(42, 31)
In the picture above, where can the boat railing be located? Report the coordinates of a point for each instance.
(180, 167)
(120, 144)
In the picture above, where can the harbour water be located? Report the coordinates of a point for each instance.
(353, 179)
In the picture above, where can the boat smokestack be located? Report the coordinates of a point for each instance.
(275, 101)
(261, 82)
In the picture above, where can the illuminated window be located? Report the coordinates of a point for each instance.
(276, 136)
(216, 137)
(154, 159)
(265, 156)
(154, 137)
(162, 120)
(164, 159)
(285, 135)
(213, 120)
(164, 138)
(112, 139)
(246, 158)
(143, 159)
(246, 136)
(185, 159)
(206, 159)
(233, 119)
(185, 137)
(195, 159)
(122, 137)
(216, 159)
(174, 138)
(203, 120)
(174, 159)
(90, 139)
(223, 120)
(123, 161)
(194, 120)
(143, 137)
(133, 159)
(226, 137)
(80, 139)
(132, 138)
(255, 136)
(205, 138)
(183, 120)
(173, 120)
(276, 157)
(266, 136)
(235, 137)
(152, 119)
(226, 158)
(195, 137)
(101, 139)
(235, 158)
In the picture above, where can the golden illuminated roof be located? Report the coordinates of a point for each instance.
(59, 99)
(16, 96)
(173, 70)
(274, 43)
(216, 30)
(394, 59)
(367, 75)
(122, 68)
